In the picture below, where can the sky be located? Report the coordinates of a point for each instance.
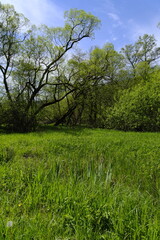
(122, 21)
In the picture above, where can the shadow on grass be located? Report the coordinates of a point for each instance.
(76, 130)
(62, 129)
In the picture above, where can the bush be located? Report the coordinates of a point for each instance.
(137, 109)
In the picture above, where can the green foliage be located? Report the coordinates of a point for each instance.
(138, 108)
(144, 50)
(80, 24)
(80, 184)
(31, 62)
(83, 89)
(96, 79)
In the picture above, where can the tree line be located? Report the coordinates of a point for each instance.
(39, 83)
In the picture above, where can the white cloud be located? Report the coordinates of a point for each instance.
(116, 19)
(115, 39)
(114, 16)
(38, 11)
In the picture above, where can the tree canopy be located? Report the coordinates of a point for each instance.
(39, 83)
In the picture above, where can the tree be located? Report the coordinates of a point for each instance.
(144, 50)
(31, 62)
(95, 77)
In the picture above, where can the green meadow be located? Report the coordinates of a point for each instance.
(79, 184)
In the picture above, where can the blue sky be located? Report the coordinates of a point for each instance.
(122, 21)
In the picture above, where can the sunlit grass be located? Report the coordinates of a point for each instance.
(80, 184)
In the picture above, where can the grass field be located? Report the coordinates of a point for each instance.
(80, 184)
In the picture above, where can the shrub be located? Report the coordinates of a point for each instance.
(137, 109)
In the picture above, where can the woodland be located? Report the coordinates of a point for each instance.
(45, 78)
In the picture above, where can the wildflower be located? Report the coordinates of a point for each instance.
(10, 224)
(20, 204)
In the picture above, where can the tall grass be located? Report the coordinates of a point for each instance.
(80, 184)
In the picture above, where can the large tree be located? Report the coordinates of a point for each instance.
(143, 50)
(31, 62)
